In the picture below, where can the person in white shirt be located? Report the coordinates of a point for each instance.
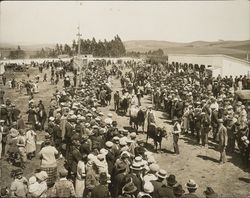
(176, 133)
(81, 176)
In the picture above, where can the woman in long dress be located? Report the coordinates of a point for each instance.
(81, 176)
(30, 143)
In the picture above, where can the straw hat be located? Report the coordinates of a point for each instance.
(136, 166)
(191, 184)
(162, 174)
(154, 167)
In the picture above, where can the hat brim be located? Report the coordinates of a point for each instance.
(192, 187)
(161, 176)
(130, 191)
(133, 168)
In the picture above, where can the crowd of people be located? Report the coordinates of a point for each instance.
(101, 159)
(200, 103)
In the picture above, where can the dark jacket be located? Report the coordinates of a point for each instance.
(100, 191)
(165, 191)
(118, 184)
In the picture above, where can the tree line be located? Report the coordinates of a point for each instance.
(113, 48)
(17, 54)
(158, 53)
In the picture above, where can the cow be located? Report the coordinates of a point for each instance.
(137, 118)
(156, 133)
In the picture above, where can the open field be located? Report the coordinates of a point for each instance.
(236, 49)
(228, 180)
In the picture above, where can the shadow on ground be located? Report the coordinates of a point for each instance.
(208, 158)
(246, 180)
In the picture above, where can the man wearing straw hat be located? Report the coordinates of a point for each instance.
(176, 133)
(192, 187)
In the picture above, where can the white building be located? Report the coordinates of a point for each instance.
(218, 64)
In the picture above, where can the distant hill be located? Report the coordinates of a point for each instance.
(236, 49)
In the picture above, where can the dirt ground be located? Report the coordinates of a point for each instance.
(228, 180)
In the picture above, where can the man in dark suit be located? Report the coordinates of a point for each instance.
(14, 113)
(41, 116)
(101, 190)
(117, 179)
(69, 132)
(135, 176)
(4, 113)
(192, 187)
(161, 176)
(166, 190)
(110, 157)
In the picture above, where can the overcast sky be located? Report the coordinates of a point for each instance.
(56, 22)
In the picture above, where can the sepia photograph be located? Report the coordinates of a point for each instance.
(125, 99)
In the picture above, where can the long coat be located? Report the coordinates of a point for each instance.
(32, 116)
(100, 191)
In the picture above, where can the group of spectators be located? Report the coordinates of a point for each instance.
(93, 155)
(204, 106)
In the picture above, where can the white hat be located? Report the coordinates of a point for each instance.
(132, 135)
(109, 144)
(191, 184)
(109, 115)
(32, 180)
(154, 167)
(162, 174)
(51, 118)
(148, 187)
(41, 175)
(100, 157)
(104, 151)
(123, 142)
(136, 166)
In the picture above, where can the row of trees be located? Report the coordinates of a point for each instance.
(150, 53)
(113, 48)
(17, 54)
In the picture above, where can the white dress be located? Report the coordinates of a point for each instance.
(80, 179)
(30, 144)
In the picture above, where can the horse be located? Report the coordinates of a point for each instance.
(124, 104)
(156, 133)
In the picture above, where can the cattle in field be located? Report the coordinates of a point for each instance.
(157, 134)
(137, 117)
